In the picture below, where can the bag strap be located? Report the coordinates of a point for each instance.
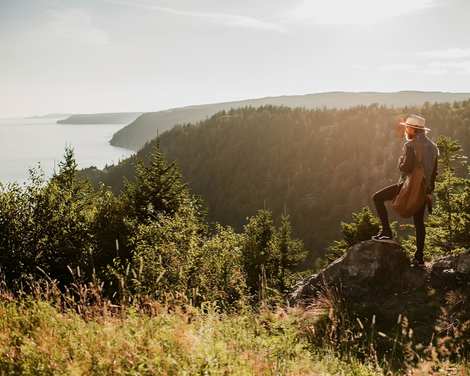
(419, 150)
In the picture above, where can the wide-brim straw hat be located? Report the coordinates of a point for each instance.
(415, 121)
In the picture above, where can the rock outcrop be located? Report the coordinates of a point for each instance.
(369, 269)
(450, 272)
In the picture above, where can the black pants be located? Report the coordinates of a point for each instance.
(387, 194)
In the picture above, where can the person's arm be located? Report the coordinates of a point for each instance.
(407, 162)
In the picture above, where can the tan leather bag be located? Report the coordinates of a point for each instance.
(413, 195)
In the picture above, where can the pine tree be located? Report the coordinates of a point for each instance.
(363, 227)
(112, 229)
(259, 251)
(64, 213)
(449, 223)
(164, 229)
(158, 189)
(290, 252)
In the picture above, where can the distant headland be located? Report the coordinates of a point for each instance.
(111, 118)
(50, 116)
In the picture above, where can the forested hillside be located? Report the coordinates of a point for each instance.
(321, 165)
(147, 127)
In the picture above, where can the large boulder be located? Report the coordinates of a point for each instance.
(376, 281)
(366, 269)
(370, 269)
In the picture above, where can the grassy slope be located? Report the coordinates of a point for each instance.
(41, 337)
(37, 339)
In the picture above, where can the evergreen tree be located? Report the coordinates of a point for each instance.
(165, 232)
(290, 252)
(260, 258)
(449, 223)
(158, 189)
(112, 230)
(363, 227)
(63, 215)
(462, 237)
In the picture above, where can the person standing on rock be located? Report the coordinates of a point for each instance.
(414, 129)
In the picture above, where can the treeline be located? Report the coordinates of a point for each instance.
(149, 125)
(321, 164)
(151, 240)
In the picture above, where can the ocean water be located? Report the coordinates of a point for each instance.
(24, 143)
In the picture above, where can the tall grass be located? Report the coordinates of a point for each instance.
(79, 332)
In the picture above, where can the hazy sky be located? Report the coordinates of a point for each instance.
(90, 56)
